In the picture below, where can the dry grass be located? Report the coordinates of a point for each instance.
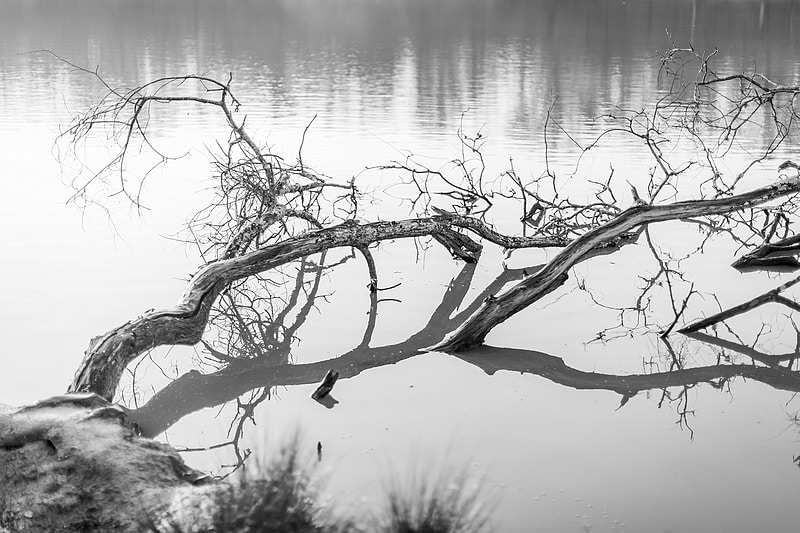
(449, 503)
(282, 498)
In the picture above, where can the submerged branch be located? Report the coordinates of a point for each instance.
(770, 296)
(496, 310)
(781, 253)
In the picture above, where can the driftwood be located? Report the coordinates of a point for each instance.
(326, 386)
(782, 253)
(770, 296)
(322, 393)
(498, 309)
(109, 354)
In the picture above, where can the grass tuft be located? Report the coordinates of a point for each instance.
(282, 498)
(453, 503)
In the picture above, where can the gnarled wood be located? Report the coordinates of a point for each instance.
(769, 296)
(108, 355)
(496, 310)
(781, 253)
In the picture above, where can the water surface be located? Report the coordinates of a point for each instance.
(384, 78)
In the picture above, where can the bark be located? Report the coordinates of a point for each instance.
(769, 296)
(108, 355)
(781, 253)
(498, 309)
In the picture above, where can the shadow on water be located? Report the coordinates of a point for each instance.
(249, 361)
(491, 359)
(194, 391)
(443, 53)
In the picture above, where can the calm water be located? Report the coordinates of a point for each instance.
(384, 77)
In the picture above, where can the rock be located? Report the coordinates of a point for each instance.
(75, 463)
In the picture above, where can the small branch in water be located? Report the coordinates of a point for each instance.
(782, 253)
(326, 386)
(770, 296)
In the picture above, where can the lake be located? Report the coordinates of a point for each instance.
(381, 79)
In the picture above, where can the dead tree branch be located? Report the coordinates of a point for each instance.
(495, 311)
(108, 355)
(771, 296)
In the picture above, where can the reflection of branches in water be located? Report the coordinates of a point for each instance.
(492, 359)
(772, 360)
(638, 317)
(251, 320)
(253, 328)
(681, 399)
(244, 411)
(770, 296)
(267, 213)
(675, 381)
(194, 391)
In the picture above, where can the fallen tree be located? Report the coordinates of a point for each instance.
(267, 213)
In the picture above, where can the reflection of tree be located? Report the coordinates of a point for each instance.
(194, 391)
(267, 214)
(251, 322)
(781, 368)
(492, 359)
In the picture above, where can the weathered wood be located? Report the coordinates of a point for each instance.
(496, 310)
(781, 253)
(460, 245)
(326, 386)
(761, 299)
(108, 355)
